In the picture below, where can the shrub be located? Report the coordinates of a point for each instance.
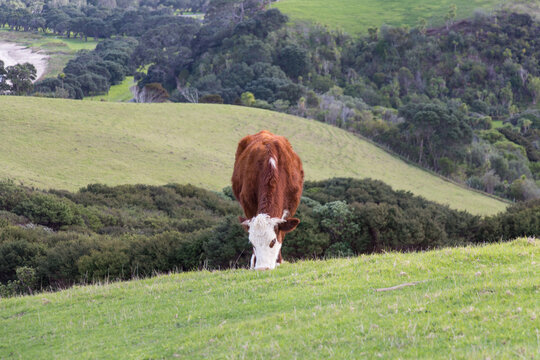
(47, 210)
(127, 231)
(247, 98)
(211, 99)
(17, 249)
(447, 166)
(339, 249)
(293, 60)
(108, 264)
(307, 241)
(227, 245)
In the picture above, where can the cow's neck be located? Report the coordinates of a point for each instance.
(270, 195)
(268, 204)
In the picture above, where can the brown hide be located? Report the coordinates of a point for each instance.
(259, 187)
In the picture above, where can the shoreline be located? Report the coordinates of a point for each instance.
(12, 54)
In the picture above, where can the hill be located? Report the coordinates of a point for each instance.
(53, 143)
(472, 302)
(356, 16)
(117, 93)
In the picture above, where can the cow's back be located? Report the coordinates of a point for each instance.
(253, 175)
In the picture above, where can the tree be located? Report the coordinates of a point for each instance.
(189, 93)
(247, 98)
(4, 86)
(93, 84)
(211, 99)
(293, 60)
(116, 71)
(167, 47)
(373, 33)
(338, 221)
(150, 93)
(490, 180)
(506, 95)
(78, 27)
(36, 23)
(436, 129)
(534, 88)
(94, 27)
(262, 24)
(406, 79)
(450, 16)
(21, 77)
(422, 25)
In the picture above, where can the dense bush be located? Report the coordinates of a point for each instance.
(522, 219)
(55, 239)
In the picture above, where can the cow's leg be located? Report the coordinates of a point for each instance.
(279, 258)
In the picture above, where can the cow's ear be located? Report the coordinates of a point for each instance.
(289, 225)
(245, 222)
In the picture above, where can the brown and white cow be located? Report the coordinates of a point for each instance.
(267, 181)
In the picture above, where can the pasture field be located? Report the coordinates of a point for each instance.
(117, 93)
(67, 144)
(467, 303)
(356, 16)
(59, 49)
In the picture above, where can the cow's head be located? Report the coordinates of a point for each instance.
(266, 235)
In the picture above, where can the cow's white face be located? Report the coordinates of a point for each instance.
(263, 235)
(266, 235)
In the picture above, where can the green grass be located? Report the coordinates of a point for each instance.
(117, 93)
(531, 7)
(497, 124)
(59, 49)
(356, 16)
(470, 303)
(67, 144)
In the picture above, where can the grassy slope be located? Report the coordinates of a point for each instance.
(472, 303)
(497, 124)
(117, 93)
(60, 49)
(531, 7)
(355, 16)
(67, 144)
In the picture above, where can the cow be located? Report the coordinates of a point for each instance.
(267, 181)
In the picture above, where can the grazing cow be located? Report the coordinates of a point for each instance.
(267, 181)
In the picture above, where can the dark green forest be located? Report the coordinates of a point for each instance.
(461, 100)
(55, 239)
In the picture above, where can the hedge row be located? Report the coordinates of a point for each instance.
(52, 240)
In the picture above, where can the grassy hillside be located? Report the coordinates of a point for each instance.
(473, 303)
(67, 144)
(117, 93)
(356, 16)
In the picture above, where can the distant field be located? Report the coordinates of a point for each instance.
(356, 16)
(67, 144)
(117, 93)
(468, 303)
(60, 49)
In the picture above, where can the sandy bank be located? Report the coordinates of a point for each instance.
(12, 54)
